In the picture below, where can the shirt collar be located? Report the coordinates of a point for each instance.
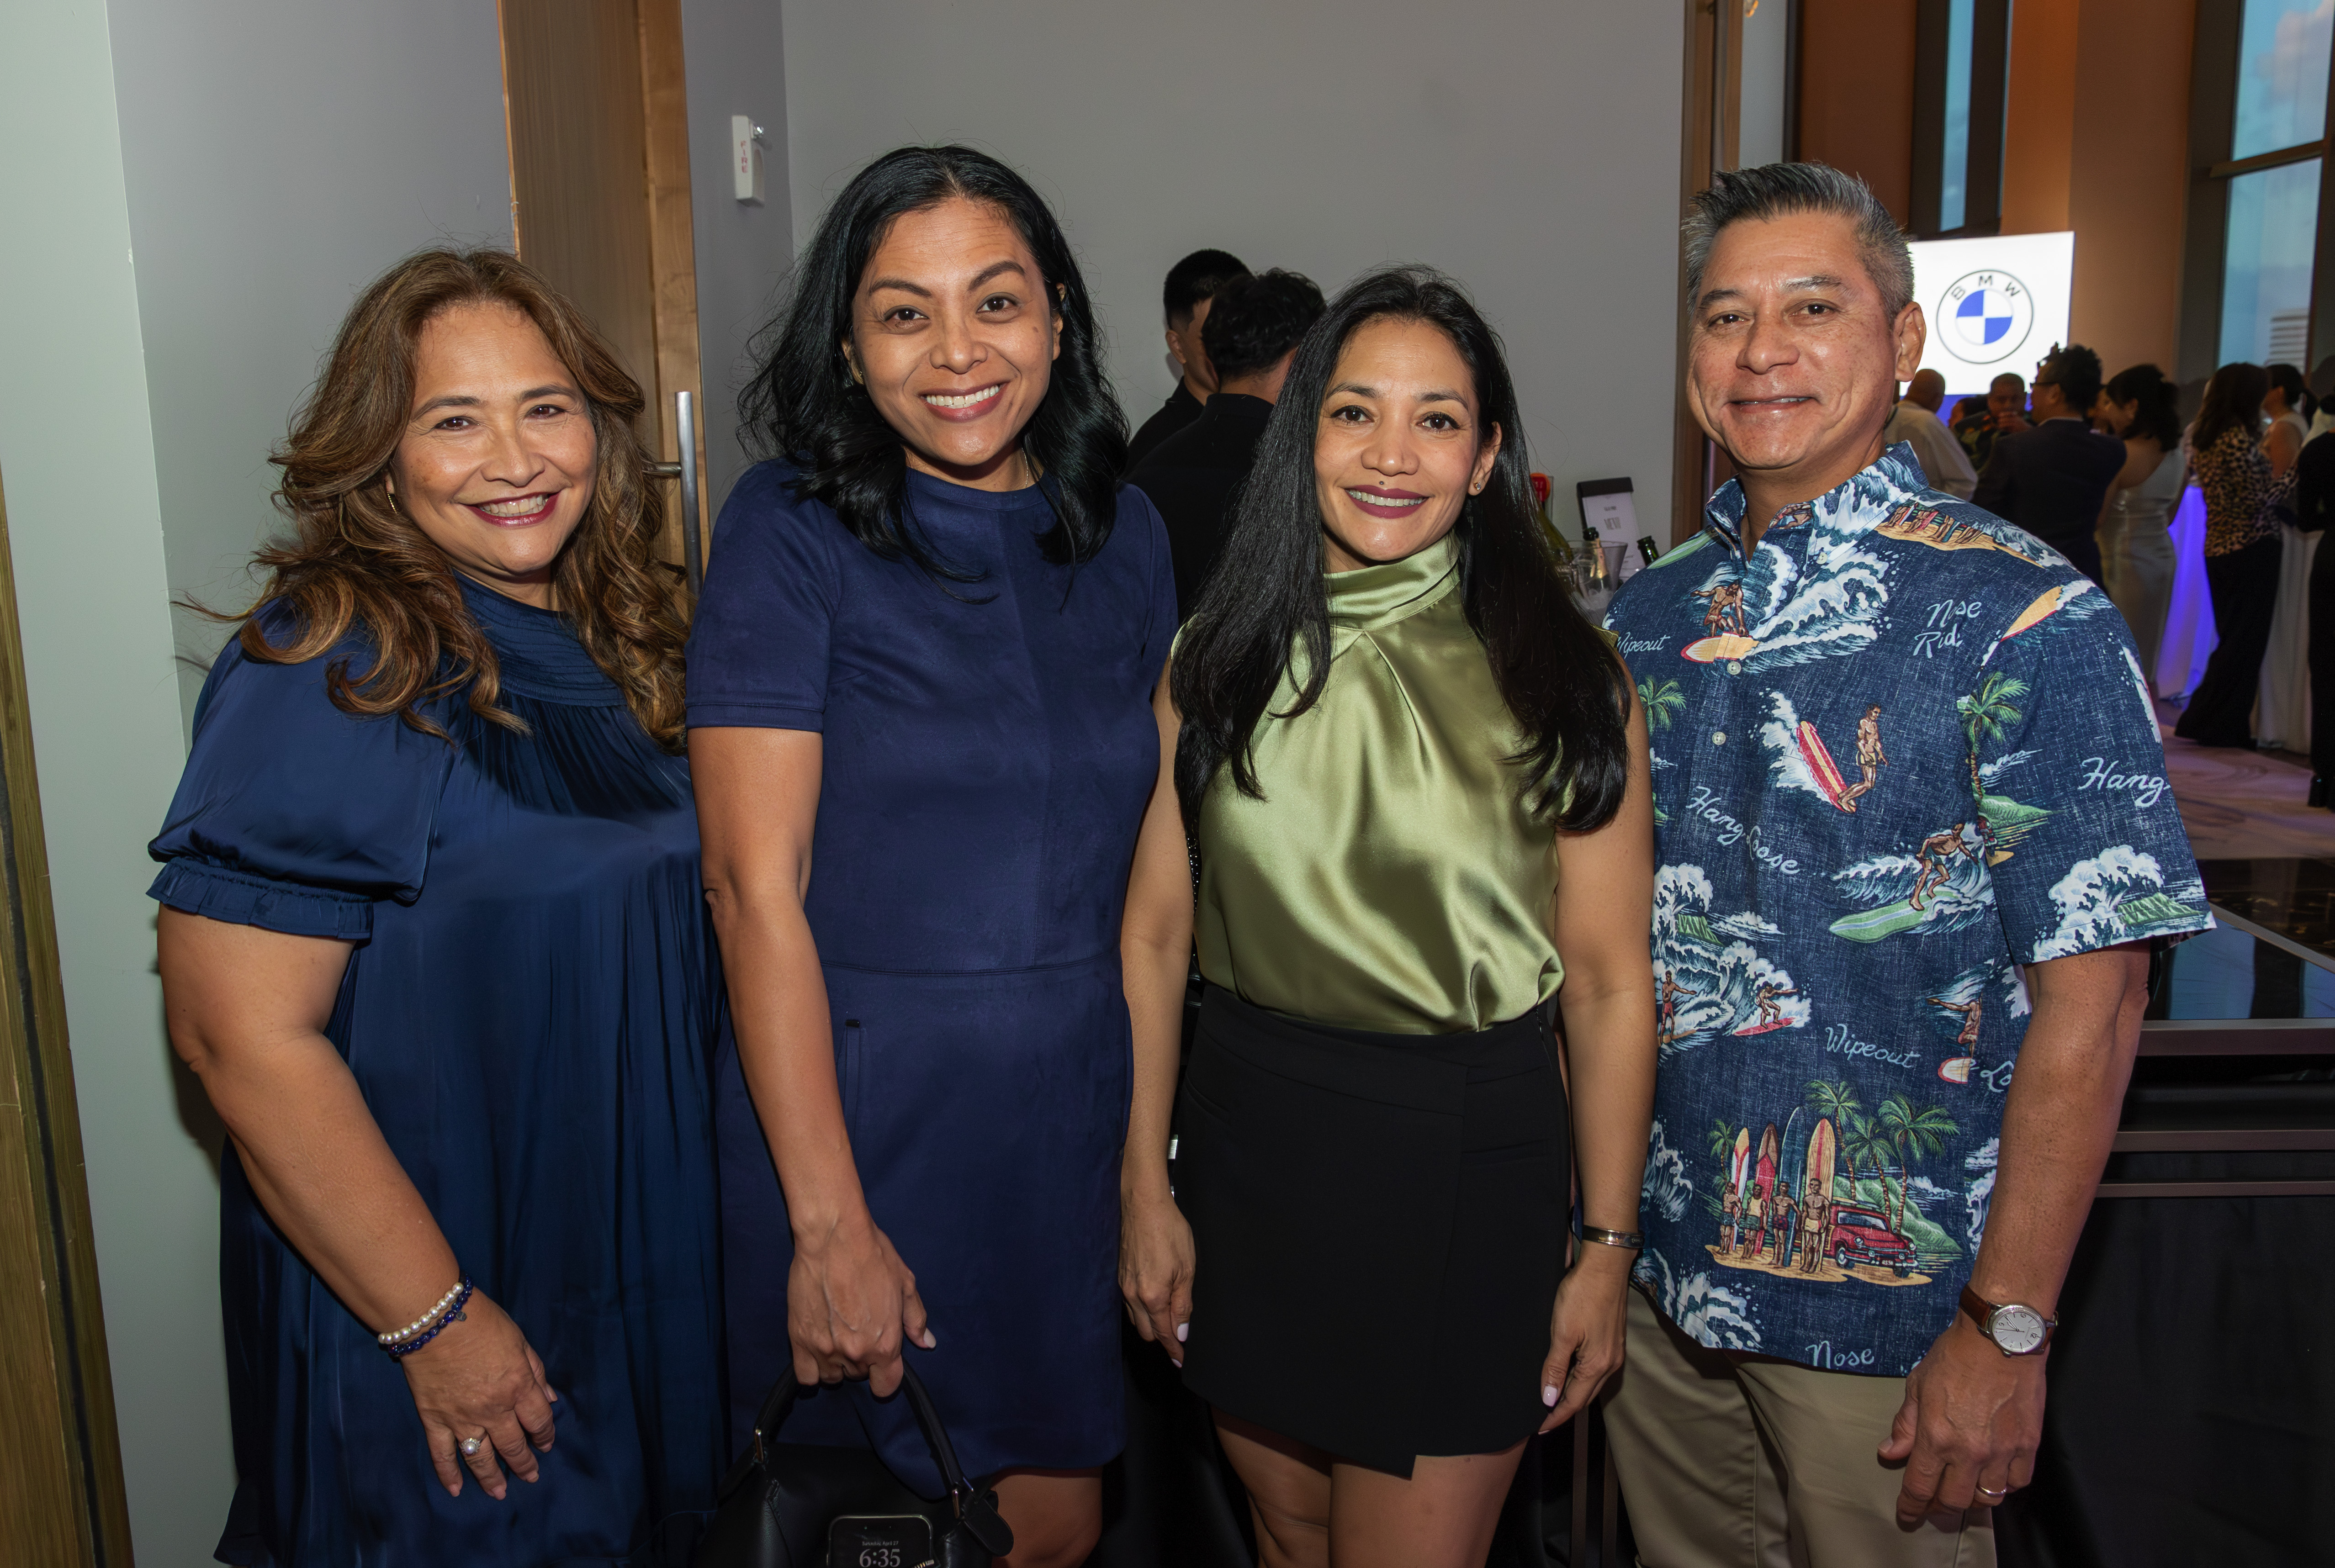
(1377, 596)
(1856, 505)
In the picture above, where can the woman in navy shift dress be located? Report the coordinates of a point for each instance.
(526, 1003)
(983, 748)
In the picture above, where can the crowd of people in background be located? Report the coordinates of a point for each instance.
(2097, 469)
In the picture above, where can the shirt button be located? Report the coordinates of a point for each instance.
(1735, 666)
(1719, 737)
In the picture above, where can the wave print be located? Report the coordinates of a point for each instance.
(1667, 1189)
(1710, 1314)
(1964, 899)
(2117, 895)
(1712, 977)
(1787, 765)
(1833, 609)
(1978, 1193)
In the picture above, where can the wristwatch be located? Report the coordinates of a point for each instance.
(2016, 1329)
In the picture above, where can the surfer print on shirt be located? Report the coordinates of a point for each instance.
(1769, 612)
(2013, 815)
(1796, 1201)
(1710, 979)
(1969, 530)
(1960, 1008)
(1799, 759)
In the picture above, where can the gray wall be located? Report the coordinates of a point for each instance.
(279, 154)
(1528, 147)
(84, 520)
(735, 55)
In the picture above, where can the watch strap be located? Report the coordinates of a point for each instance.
(1982, 1312)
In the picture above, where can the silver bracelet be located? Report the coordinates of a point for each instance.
(426, 1319)
(1633, 1240)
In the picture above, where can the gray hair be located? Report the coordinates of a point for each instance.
(1779, 190)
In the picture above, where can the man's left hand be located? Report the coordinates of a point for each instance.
(1968, 1428)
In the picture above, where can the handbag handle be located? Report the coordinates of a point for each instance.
(972, 1505)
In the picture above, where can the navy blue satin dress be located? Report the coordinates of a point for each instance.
(989, 749)
(529, 1009)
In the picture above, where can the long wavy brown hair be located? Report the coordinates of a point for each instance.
(353, 559)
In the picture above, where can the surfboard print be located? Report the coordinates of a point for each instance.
(1726, 645)
(1820, 763)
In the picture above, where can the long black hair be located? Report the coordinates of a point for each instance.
(1266, 595)
(802, 404)
(2158, 416)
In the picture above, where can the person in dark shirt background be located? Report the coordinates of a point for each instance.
(1194, 476)
(1192, 286)
(2003, 413)
(2314, 506)
(2051, 480)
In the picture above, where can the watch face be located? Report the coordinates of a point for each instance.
(2018, 1330)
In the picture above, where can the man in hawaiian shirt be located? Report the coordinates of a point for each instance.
(1857, 969)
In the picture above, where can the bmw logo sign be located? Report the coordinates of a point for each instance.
(1984, 316)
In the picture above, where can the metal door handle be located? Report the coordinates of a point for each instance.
(692, 547)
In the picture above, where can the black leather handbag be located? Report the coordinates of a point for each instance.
(813, 1506)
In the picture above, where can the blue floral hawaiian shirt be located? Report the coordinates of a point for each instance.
(1900, 750)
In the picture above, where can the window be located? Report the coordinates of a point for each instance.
(1961, 54)
(2281, 75)
(1953, 173)
(2270, 241)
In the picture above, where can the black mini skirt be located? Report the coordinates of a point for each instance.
(1379, 1225)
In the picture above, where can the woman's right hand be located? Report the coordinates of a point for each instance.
(1156, 1264)
(849, 1299)
(480, 1378)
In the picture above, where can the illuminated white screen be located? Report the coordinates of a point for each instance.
(1993, 306)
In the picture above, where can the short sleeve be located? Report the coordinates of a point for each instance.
(758, 655)
(2077, 822)
(293, 814)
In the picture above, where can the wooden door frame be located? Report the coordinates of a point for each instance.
(672, 356)
(1711, 85)
(673, 243)
(62, 1496)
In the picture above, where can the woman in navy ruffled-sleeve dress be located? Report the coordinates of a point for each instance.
(432, 937)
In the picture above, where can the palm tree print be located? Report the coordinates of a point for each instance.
(1722, 1137)
(1912, 1134)
(1837, 1103)
(1987, 716)
(1861, 1143)
(1662, 701)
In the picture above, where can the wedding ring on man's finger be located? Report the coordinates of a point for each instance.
(1994, 1495)
(470, 1446)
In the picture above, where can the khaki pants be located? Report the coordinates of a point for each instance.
(1735, 1461)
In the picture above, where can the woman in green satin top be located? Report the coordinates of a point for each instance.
(1393, 877)
(1414, 775)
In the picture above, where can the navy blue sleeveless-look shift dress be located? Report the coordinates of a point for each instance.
(529, 1009)
(989, 750)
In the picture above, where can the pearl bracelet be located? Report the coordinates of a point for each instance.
(426, 1319)
(405, 1348)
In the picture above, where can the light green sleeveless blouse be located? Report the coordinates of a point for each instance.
(1392, 878)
